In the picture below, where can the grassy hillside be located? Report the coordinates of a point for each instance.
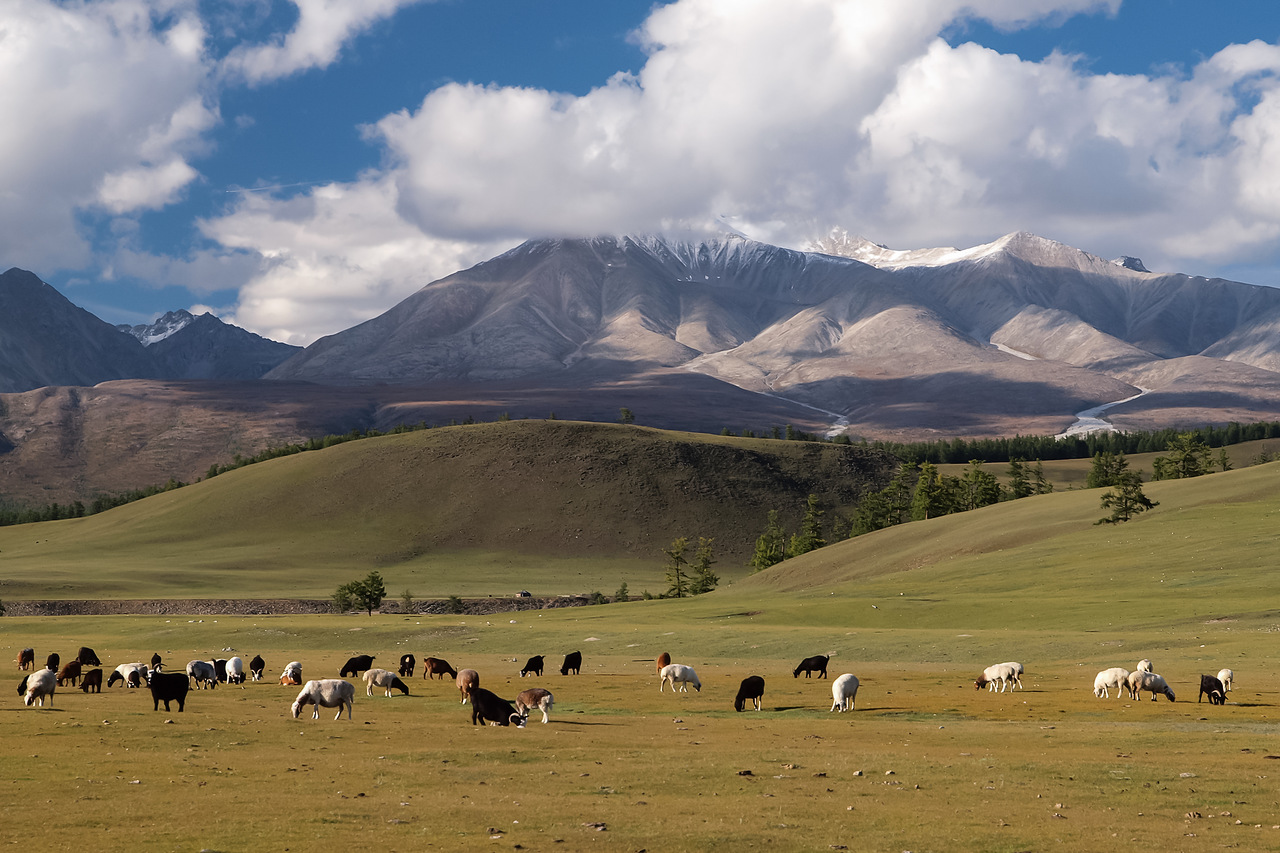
(550, 506)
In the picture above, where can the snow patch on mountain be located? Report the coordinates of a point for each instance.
(163, 327)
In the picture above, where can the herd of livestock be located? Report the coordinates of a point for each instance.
(486, 706)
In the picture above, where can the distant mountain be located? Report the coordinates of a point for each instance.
(163, 327)
(204, 347)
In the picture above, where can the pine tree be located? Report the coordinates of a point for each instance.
(931, 497)
(1107, 470)
(1126, 499)
(677, 579)
(702, 578)
(978, 488)
(1189, 456)
(810, 536)
(771, 546)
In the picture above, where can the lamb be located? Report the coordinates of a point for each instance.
(533, 666)
(70, 673)
(356, 665)
(38, 686)
(88, 657)
(1144, 665)
(388, 681)
(1213, 687)
(572, 662)
(132, 674)
(752, 688)
(534, 697)
(1005, 674)
(292, 673)
(235, 670)
(92, 681)
(431, 667)
(169, 687)
(1116, 677)
(493, 709)
(1142, 680)
(467, 679)
(1227, 677)
(256, 667)
(817, 663)
(27, 659)
(203, 672)
(326, 693)
(843, 691)
(663, 660)
(676, 673)
(407, 663)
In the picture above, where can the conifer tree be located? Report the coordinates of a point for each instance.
(677, 578)
(810, 536)
(771, 546)
(1126, 499)
(702, 578)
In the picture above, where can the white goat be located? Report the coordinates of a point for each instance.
(1005, 674)
(203, 672)
(39, 685)
(534, 697)
(326, 693)
(292, 673)
(1116, 677)
(385, 679)
(1227, 677)
(843, 691)
(1140, 681)
(678, 673)
(1144, 665)
(235, 670)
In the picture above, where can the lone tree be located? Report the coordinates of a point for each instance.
(364, 594)
(703, 579)
(677, 576)
(1126, 499)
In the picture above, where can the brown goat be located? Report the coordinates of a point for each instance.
(663, 660)
(92, 681)
(27, 659)
(467, 679)
(431, 667)
(70, 674)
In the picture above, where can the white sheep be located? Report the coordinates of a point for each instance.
(1144, 665)
(385, 679)
(843, 691)
(534, 697)
(1140, 681)
(1116, 677)
(204, 673)
(1007, 674)
(326, 693)
(125, 670)
(678, 673)
(39, 685)
(1227, 677)
(235, 670)
(292, 673)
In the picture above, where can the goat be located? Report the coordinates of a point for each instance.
(326, 693)
(88, 657)
(1213, 687)
(467, 679)
(256, 667)
(356, 665)
(491, 708)
(534, 697)
(534, 666)
(203, 672)
(388, 681)
(156, 661)
(752, 688)
(92, 681)
(27, 659)
(220, 670)
(663, 660)
(169, 687)
(38, 685)
(235, 670)
(292, 673)
(676, 673)
(431, 667)
(817, 663)
(69, 674)
(843, 691)
(407, 662)
(52, 661)
(572, 662)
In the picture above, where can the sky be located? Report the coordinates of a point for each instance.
(300, 166)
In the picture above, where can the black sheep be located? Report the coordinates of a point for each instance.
(357, 665)
(572, 662)
(407, 663)
(52, 662)
(169, 686)
(534, 666)
(256, 667)
(88, 657)
(487, 706)
(92, 681)
(817, 663)
(1211, 686)
(752, 688)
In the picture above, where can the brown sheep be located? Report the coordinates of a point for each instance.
(467, 679)
(70, 674)
(27, 659)
(92, 681)
(663, 660)
(431, 667)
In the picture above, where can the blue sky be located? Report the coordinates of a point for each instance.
(298, 166)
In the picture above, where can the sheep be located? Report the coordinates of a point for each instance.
(292, 673)
(203, 673)
(52, 661)
(1227, 677)
(92, 681)
(467, 679)
(407, 663)
(431, 667)
(752, 688)
(533, 666)
(1142, 680)
(1144, 665)
(572, 662)
(387, 680)
(157, 663)
(843, 691)
(817, 663)
(1213, 687)
(38, 686)
(27, 659)
(1005, 674)
(70, 673)
(326, 693)
(88, 657)
(663, 660)
(1116, 677)
(256, 667)
(534, 697)
(676, 673)
(491, 708)
(220, 670)
(169, 687)
(235, 670)
(125, 670)
(356, 665)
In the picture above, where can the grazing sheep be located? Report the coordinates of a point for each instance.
(407, 663)
(388, 681)
(1005, 674)
(1144, 665)
(292, 673)
(235, 670)
(169, 687)
(39, 685)
(132, 674)
(431, 667)
(220, 670)
(1142, 680)
(326, 693)
(203, 673)
(843, 691)
(52, 661)
(817, 663)
(88, 657)
(534, 666)
(27, 659)
(156, 662)
(1116, 677)
(1227, 677)
(467, 679)
(534, 697)
(572, 663)
(752, 688)
(1213, 687)
(92, 681)
(663, 660)
(677, 673)
(256, 667)
(487, 707)
(69, 674)
(356, 665)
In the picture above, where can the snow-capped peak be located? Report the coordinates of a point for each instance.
(163, 327)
